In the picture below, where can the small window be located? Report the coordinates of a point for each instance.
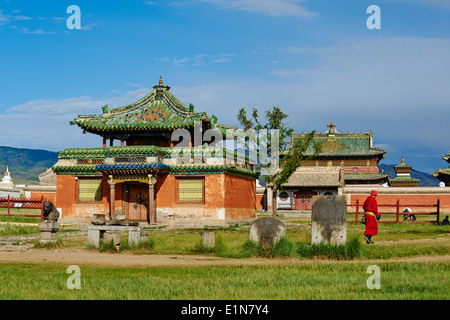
(190, 190)
(89, 189)
(284, 196)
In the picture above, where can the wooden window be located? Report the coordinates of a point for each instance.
(89, 190)
(191, 190)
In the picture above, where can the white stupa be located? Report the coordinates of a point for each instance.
(7, 182)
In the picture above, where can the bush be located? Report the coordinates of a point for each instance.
(284, 248)
(219, 248)
(348, 251)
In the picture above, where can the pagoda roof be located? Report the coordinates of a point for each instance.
(403, 165)
(159, 111)
(447, 157)
(441, 172)
(335, 144)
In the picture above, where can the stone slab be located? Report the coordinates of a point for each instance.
(329, 220)
(267, 231)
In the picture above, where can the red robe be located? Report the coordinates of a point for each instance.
(371, 222)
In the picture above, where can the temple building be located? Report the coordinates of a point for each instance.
(354, 152)
(346, 159)
(444, 174)
(170, 166)
(403, 176)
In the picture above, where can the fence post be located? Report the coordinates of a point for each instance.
(42, 208)
(9, 205)
(438, 209)
(398, 210)
(357, 210)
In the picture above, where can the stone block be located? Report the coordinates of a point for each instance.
(98, 219)
(134, 237)
(114, 236)
(329, 220)
(208, 239)
(93, 237)
(48, 231)
(267, 231)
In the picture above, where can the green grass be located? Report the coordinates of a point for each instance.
(310, 281)
(19, 218)
(312, 272)
(10, 230)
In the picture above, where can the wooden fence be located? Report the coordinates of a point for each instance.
(395, 210)
(21, 203)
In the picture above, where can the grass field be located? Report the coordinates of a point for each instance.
(306, 281)
(301, 271)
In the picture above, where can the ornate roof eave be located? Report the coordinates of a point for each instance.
(441, 172)
(446, 157)
(159, 110)
(130, 169)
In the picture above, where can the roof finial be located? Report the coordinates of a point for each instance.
(403, 160)
(160, 81)
(331, 126)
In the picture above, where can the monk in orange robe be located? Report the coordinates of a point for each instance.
(370, 207)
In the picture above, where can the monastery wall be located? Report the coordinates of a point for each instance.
(240, 198)
(419, 199)
(168, 208)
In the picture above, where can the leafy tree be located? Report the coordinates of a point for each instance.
(291, 153)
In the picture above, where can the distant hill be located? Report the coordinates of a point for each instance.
(26, 164)
(426, 180)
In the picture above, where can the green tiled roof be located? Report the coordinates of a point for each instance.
(87, 153)
(160, 110)
(343, 144)
(149, 151)
(447, 157)
(398, 178)
(365, 176)
(441, 172)
(75, 170)
(208, 169)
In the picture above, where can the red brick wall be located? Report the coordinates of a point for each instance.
(225, 196)
(66, 198)
(240, 197)
(260, 202)
(417, 202)
(51, 196)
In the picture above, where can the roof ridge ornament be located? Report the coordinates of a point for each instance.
(331, 126)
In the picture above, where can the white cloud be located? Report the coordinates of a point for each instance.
(275, 8)
(199, 59)
(435, 3)
(44, 123)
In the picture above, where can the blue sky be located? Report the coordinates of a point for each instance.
(315, 59)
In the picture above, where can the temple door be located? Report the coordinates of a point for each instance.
(137, 202)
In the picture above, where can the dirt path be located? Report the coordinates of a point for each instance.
(77, 256)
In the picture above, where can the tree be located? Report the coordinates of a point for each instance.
(291, 153)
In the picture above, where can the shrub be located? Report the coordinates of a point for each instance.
(348, 251)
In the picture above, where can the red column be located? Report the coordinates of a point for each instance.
(112, 198)
(151, 198)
